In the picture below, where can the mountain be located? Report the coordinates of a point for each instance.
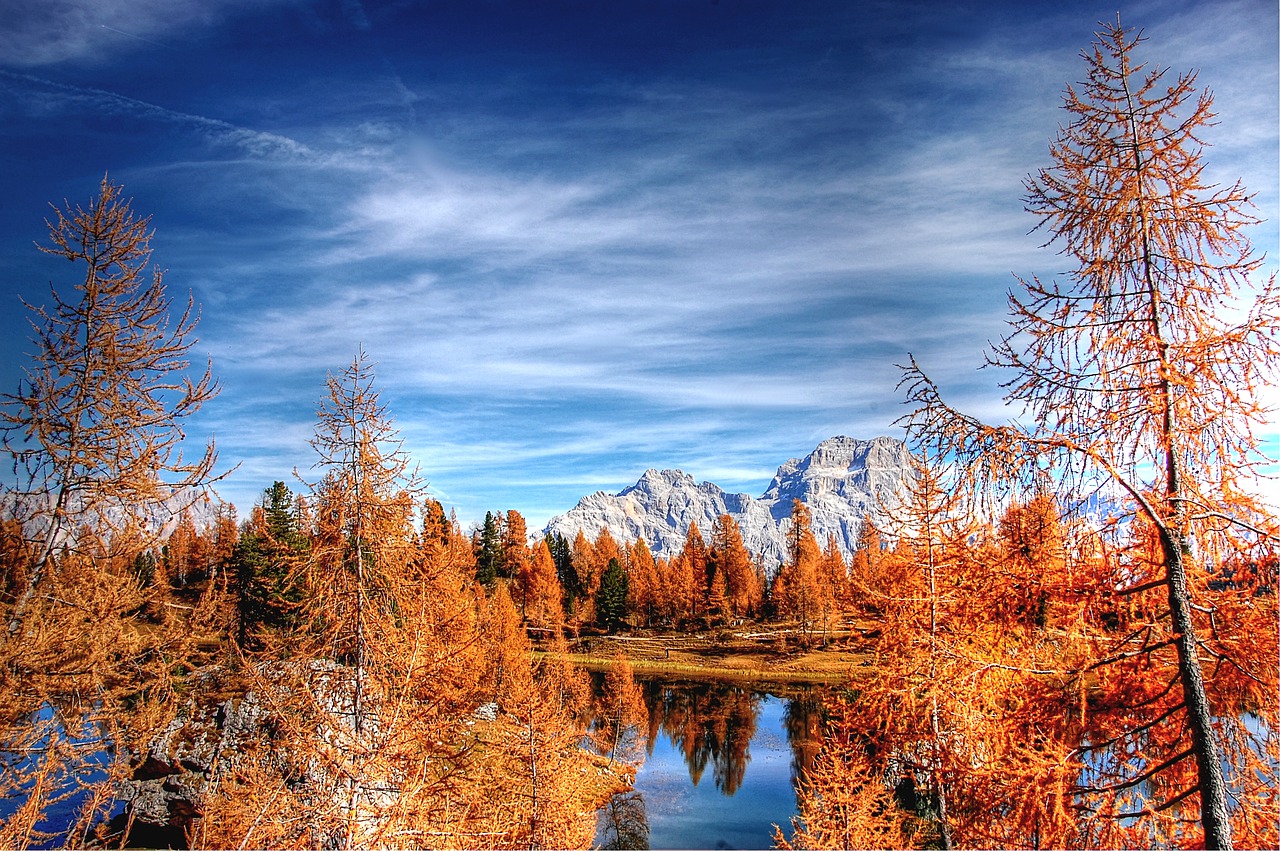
(156, 520)
(841, 481)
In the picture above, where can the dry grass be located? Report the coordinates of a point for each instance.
(779, 655)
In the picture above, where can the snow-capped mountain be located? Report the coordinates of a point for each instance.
(156, 521)
(841, 481)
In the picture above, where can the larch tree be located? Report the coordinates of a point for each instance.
(183, 550)
(716, 610)
(742, 584)
(515, 545)
(799, 591)
(94, 434)
(540, 591)
(364, 518)
(358, 590)
(834, 575)
(605, 548)
(866, 566)
(586, 579)
(224, 534)
(95, 429)
(689, 569)
(642, 575)
(1034, 543)
(367, 699)
(1140, 374)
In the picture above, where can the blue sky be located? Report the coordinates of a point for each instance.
(580, 239)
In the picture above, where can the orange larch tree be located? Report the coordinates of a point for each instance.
(742, 582)
(91, 653)
(515, 544)
(799, 591)
(96, 427)
(403, 711)
(540, 591)
(689, 569)
(866, 566)
(642, 572)
(1140, 377)
(834, 573)
(587, 573)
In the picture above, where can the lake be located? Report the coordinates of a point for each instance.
(720, 765)
(718, 770)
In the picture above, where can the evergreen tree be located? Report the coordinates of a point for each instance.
(611, 598)
(489, 551)
(562, 555)
(264, 558)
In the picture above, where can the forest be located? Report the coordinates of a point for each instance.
(1070, 620)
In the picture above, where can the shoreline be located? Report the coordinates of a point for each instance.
(759, 656)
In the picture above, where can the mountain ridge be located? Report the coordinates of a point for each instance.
(841, 481)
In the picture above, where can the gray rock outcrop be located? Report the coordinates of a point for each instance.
(163, 793)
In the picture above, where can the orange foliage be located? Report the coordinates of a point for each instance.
(743, 585)
(643, 582)
(800, 589)
(1139, 376)
(540, 591)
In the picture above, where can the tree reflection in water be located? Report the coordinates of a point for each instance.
(713, 723)
(804, 718)
(708, 722)
(623, 823)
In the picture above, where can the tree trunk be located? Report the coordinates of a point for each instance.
(1213, 787)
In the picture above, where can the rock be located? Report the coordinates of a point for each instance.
(163, 793)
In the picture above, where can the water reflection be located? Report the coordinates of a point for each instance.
(709, 723)
(804, 717)
(624, 824)
(756, 740)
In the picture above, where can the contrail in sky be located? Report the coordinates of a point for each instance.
(255, 141)
(138, 37)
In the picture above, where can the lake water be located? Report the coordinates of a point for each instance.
(720, 769)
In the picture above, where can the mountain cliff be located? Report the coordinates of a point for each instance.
(841, 481)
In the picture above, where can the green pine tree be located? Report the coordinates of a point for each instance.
(489, 551)
(611, 599)
(262, 562)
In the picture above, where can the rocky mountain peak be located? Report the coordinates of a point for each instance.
(841, 481)
(654, 481)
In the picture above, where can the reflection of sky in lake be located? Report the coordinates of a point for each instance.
(87, 768)
(682, 815)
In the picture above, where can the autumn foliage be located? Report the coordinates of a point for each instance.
(1069, 623)
(1051, 675)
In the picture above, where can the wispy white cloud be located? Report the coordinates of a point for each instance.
(564, 286)
(44, 32)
